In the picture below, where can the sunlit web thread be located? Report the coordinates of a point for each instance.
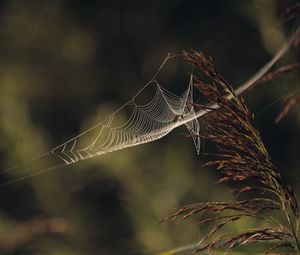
(146, 123)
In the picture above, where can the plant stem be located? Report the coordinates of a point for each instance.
(292, 226)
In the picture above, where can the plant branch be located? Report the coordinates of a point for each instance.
(250, 82)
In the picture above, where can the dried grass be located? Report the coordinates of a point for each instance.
(241, 157)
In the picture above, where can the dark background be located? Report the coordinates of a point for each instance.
(64, 65)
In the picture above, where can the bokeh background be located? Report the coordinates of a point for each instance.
(65, 65)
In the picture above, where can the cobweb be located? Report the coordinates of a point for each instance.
(146, 123)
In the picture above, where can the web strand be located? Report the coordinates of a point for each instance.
(146, 123)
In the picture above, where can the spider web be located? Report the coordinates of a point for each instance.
(145, 124)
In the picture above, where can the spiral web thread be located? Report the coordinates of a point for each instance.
(146, 123)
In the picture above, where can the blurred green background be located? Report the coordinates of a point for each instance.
(65, 65)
